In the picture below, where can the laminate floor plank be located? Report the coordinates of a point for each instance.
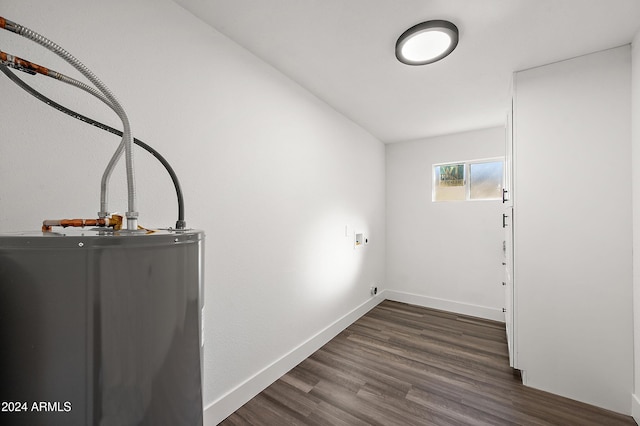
(404, 365)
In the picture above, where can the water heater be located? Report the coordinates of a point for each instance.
(99, 321)
(101, 328)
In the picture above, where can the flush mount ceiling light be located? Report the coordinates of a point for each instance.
(427, 42)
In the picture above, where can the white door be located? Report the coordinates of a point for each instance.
(507, 224)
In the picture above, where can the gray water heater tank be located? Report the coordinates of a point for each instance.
(101, 328)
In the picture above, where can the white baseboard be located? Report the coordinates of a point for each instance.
(224, 406)
(446, 305)
(635, 408)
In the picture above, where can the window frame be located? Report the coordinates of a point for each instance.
(467, 178)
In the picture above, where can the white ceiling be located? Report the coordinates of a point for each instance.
(343, 51)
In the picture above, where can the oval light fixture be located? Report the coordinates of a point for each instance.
(427, 42)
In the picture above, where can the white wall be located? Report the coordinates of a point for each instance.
(572, 198)
(445, 255)
(635, 142)
(272, 174)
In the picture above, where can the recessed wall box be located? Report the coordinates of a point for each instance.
(359, 240)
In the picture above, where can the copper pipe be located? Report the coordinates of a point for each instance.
(22, 64)
(115, 222)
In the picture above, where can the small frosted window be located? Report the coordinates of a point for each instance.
(449, 182)
(485, 181)
(469, 180)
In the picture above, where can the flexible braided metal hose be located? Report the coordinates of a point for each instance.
(127, 139)
(180, 223)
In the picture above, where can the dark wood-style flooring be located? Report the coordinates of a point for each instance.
(407, 365)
